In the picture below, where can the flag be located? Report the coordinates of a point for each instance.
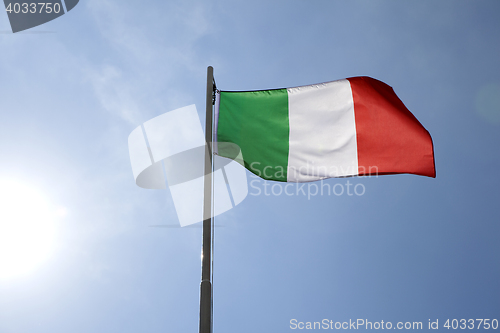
(351, 127)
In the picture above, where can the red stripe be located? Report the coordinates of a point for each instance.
(390, 139)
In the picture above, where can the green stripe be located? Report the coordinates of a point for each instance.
(257, 121)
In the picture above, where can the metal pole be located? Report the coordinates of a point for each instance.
(206, 285)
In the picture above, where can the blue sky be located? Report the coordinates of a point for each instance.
(410, 249)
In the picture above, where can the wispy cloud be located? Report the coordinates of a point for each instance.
(156, 49)
(115, 94)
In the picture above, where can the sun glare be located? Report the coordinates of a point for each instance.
(26, 229)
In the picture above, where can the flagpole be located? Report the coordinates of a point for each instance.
(206, 284)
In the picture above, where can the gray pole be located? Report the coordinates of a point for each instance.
(206, 285)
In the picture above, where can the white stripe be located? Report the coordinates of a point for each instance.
(322, 132)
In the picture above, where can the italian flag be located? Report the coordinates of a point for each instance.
(351, 127)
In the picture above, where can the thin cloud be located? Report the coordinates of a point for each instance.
(148, 50)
